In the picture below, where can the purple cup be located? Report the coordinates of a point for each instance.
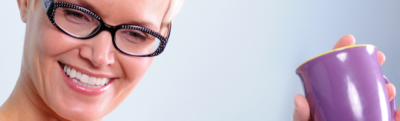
(346, 84)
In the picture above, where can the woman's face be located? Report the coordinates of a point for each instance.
(46, 49)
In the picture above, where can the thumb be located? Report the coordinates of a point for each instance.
(302, 110)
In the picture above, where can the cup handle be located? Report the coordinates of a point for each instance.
(392, 102)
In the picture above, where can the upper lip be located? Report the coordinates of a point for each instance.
(83, 71)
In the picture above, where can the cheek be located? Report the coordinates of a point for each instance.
(53, 42)
(43, 45)
(36, 58)
(42, 37)
(135, 67)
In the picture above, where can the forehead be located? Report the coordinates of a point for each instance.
(146, 13)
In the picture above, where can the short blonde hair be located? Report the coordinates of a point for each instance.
(173, 10)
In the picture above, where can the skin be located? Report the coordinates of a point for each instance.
(302, 109)
(41, 93)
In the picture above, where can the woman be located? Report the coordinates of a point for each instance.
(82, 58)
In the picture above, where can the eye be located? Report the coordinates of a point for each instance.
(137, 35)
(77, 17)
(134, 36)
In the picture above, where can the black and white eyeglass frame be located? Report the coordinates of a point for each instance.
(51, 6)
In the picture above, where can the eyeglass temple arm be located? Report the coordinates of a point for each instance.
(169, 30)
(47, 4)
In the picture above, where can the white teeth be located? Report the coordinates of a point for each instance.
(74, 80)
(72, 74)
(98, 81)
(107, 80)
(83, 79)
(78, 75)
(103, 81)
(68, 70)
(92, 80)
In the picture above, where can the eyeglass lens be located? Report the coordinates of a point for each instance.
(81, 24)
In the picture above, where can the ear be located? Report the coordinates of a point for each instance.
(23, 9)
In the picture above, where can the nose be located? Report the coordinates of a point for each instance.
(99, 50)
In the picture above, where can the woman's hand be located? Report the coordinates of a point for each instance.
(302, 109)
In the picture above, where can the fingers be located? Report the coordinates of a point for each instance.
(391, 91)
(397, 115)
(381, 57)
(346, 40)
(302, 110)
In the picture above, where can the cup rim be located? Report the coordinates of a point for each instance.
(334, 50)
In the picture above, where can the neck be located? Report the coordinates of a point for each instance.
(25, 103)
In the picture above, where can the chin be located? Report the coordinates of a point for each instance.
(73, 105)
(78, 109)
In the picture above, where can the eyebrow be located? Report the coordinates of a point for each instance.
(85, 4)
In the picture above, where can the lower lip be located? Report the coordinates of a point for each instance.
(85, 90)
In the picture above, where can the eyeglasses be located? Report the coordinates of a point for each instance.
(82, 23)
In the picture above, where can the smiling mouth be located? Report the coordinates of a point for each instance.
(83, 79)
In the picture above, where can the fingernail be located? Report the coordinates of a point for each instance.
(296, 111)
(394, 90)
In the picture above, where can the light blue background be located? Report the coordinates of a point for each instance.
(234, 60)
